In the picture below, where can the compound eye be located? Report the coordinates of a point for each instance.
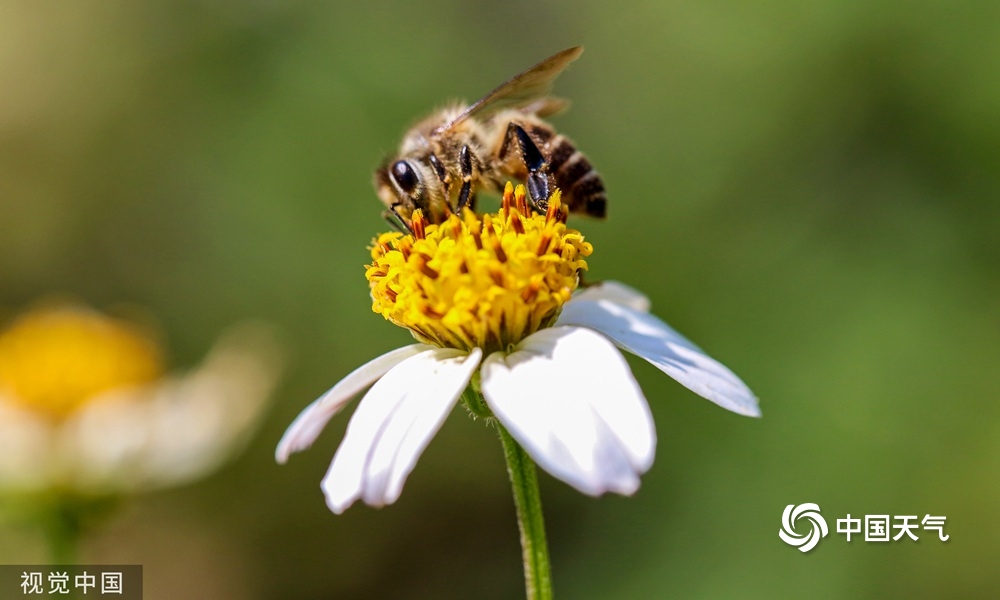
(406, 178)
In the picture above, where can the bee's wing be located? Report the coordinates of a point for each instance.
(546, 107)
(520, 90)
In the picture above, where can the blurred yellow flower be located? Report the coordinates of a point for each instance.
(54, 360)
(85, 404)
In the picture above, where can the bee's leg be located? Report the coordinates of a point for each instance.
(538, 177)
(464, 196)
(441, 172)
(393, 217)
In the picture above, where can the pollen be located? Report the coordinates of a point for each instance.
(484, 281)
(54, 360)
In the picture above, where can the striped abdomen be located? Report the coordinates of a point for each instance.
(582, 187)
(570, 171)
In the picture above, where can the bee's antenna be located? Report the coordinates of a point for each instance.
(393, 217)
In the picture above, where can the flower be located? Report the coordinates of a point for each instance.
(85, 405)
(494, 295)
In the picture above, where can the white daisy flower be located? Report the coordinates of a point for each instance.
(495, 295)
(86, 407)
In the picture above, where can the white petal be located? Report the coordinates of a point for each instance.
(26, 441)
(307, 426)
(616, 292)
(178, 428)
(650, 338)
(393, 424)
(568, 397)
(107, 444)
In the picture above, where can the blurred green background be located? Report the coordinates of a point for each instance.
(808, 190)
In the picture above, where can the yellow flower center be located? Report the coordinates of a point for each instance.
(54, 360)
(478, 281)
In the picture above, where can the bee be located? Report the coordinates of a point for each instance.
(448, 157)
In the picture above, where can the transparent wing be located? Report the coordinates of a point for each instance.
(546, 107)
(520, 90)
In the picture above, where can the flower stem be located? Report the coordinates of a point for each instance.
(63, 529)
(63, 543)
(528, 502)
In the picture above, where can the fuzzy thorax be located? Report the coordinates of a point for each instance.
(479, 281)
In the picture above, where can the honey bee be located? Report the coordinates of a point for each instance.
(446, 158)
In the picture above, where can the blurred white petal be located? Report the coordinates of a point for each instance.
(307, 426)
(393, 424)
(178, 429)
(25, 448)
(106, 444)
(650, 338)
(616, 292)
(568, 397)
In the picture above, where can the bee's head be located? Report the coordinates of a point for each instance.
(399, 183)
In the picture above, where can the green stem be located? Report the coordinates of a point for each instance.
(528, 502)
(62, 547)
(63, 530)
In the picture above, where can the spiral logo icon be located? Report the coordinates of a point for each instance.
(817, 530)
